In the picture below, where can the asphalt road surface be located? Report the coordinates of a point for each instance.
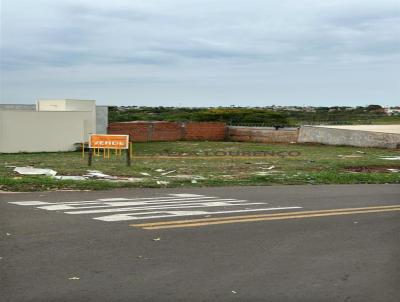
(279, 243)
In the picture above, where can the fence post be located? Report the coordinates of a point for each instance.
(90, 156)
(128, 155)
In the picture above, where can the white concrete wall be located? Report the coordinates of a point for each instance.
(66, 105)
(347, 137)
(50, 105)
(101, 119)
(37, 131)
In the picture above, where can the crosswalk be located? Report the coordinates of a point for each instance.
(146, 208)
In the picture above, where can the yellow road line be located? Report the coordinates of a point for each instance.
(150, 224)
(293, 215)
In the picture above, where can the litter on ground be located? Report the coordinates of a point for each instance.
(168, 172)
(162, 182)
(391, 157)
(34, 171)
(68, 177)
(181, 176)
(96, 174)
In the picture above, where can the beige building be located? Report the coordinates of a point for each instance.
(55, 125)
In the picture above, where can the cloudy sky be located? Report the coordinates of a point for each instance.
(202, 52)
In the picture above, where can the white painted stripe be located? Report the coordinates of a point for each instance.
(139, 203)
(70, 206)
(165, 198)
(112, 199)
(183, 206)
(127, 216)
(194, 199)
(29, 203)
(185, 195)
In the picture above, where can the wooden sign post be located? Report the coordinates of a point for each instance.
(107, 142)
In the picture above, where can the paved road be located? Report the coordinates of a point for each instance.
(285, 243)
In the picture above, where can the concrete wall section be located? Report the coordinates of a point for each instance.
(262, 134)
(27, 107)
(66, 105)
(101, 119)
(334, 136)
(37, 131)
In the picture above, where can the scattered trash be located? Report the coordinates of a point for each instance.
(160, 170)
(162, 182)
(168, 172)
(391, 157)
(157, 239)
(194, 181)
(145, 174)
(182, 176)
(8, 234)
(264, 173)
(270, 168)
(362, 152)
(394, 170)
(34, 171)
(234, 292)
(74, 278)
(355, 222)
(67, 177)
(96, 174)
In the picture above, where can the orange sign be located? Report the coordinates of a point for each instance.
(109, 141)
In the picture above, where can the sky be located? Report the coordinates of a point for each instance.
(202, 52)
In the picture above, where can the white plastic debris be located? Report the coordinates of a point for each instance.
(391, 157)
(74, 278)
(194, 181)
(68, 177)
(160, 170)
(162, 182)
(394, 170)
(168, 172)
(157, 239)
(34, 171)
(145, 174)
(182, 176)
(96, 174)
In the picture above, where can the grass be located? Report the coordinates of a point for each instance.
(311, 164)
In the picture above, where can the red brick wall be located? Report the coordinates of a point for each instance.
(205, 131)
(262, 135)
(142, 131)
